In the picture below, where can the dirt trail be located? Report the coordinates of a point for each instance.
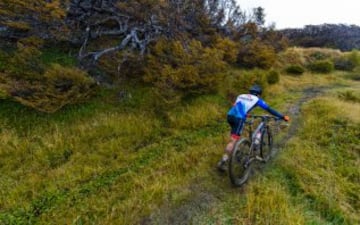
(294, 112)
(203, 198)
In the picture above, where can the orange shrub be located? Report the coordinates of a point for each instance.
(176, 70)
(257, 54)
(229, 49)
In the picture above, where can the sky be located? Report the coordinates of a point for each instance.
(297, 14)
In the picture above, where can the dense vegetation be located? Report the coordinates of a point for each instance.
(117, 41)
(112, 112)
(337, 36)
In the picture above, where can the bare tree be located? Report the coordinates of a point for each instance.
(100, 27)
(133, 24)
(226, 15)
(259, 16)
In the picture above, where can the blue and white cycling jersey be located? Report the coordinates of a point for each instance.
(246, 102)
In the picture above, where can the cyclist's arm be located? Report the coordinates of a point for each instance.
(262, 104)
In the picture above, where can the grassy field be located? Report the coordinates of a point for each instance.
(112, 161)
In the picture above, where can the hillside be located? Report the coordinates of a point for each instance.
(337, 36)
(113, 112)
(108, 162)
(74, 47)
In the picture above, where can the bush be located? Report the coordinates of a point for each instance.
(321, 66)
(295, 70)
(343, 63)
(349, 96)
(348, 61)
(306, 56)
(292, 56)
(176, 71)
(26, 62)
(354, 58)
(240, 83)
(60, 86)
(318, 55)
(229, 49)
(257, 55)
(273, 77)
(119, 66)
(29, 77)
(354, 76)
(312, 55)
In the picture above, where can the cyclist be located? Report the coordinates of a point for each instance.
(236, 118)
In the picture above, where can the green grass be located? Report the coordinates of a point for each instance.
(114, 161)
(324, 171)
(52, 55)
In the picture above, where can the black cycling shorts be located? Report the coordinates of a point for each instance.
(236, 124)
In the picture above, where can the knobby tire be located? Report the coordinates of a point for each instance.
(239, 172)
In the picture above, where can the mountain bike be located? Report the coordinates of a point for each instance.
(257, 147)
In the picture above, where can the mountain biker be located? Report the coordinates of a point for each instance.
(236, 118)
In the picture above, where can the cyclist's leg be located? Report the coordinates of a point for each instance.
(230, 146)
(237, 125)
(228, 150)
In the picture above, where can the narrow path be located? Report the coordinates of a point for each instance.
(294, 112)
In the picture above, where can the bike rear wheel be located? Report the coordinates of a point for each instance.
(240, 162)
(266, 146)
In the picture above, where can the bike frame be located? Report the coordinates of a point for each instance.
(259, 128)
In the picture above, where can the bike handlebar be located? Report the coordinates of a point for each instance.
(264, 117)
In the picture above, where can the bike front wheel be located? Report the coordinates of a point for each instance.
(240, 162)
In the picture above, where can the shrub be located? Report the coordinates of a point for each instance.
(257, 54)
(229, 49)
(295, 69)
(61, 86)
(321, 66)
(292, 56)
(318, 55)
(176, 71)
(26, 64)
(28, 77)
(349, 96)
(347, 61)
(240, 83)
(273, 77)
(312, 55)
(354, 57)
(119, 66)
(354, 76)
(343, 63)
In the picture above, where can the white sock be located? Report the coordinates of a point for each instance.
(225, 157)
